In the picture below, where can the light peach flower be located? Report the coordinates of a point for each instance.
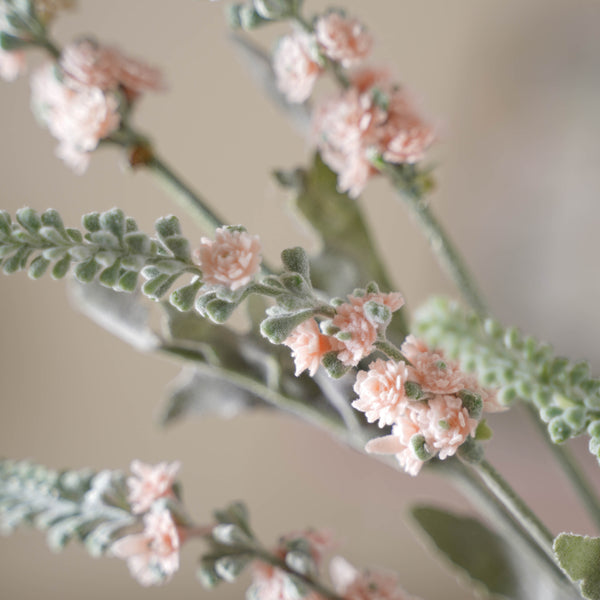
(78, 118)
(370, 584)
(153, 555)
(309, 346)
(343, 39)
(372, 116)
(149, 483)
(489, 396)
(358, 328)
(398, 443)
(271, 583)
(431, 369)
(381, 391)
(88, 63)
(232, 259)
(446, 425)
(12, 64)
(296, 66)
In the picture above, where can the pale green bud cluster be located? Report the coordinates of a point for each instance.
(253, 14)
(566, 396)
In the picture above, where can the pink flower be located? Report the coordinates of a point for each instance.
(271, 583)
(398, 443)
(87, 63)
(375, 584)
(372, 116)
(153, 555)
(149, 483)
(319, 542)
(78, 118)
(343, 39)
(431, 369)
(12, 64)
(309, 346)
(381, 391)
(231, 260)
(296, 66)
(358, 332)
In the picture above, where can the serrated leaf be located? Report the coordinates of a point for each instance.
(579, 556)
(484, 557)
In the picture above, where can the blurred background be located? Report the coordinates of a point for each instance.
(515, 87)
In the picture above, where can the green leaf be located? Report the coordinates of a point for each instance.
(481, 555)
(579, 556)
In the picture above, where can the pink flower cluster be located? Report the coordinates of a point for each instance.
(12, 64)
(372, 116)
(80, 99)
(355, 337)
(152, 555)
(299, 58)
(231, 260)
(432, 408)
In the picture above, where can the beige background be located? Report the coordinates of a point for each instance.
(516, 89)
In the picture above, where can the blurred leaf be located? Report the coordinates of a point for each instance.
(579, 556)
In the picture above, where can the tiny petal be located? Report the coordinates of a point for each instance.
(343, 39)
(149, 483)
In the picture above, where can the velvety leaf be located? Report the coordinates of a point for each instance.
(484, 557)
(579, 556)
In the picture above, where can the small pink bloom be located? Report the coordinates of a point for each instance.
(87, 63)
(431, 369)
(270, 583)
(309, 346)
(375, 584)
(153, 555)
(446, 425)
(149, 483)
(320, 541)
(231, 260)
(355, 324)
(296, 66)
(381, 391)
(343, 39)
(12, 64)
(489, 396)
(398, 443)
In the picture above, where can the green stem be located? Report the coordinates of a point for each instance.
(515, 505)
(571, 469)
(390, 350)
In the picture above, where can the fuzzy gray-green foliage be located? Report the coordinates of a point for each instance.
(83, 505)
(566, 396)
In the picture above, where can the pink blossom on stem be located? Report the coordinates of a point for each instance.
(358, 332)
(149, 483)
(296, 66)
(375, 584)
(271, 583)
(153, 555)
(343, 39)
(12, 64)
(380, 390)
(231, 260)
(319, 541)
(309, 346)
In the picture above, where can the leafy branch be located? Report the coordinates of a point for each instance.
(84, 505)
(565, 395)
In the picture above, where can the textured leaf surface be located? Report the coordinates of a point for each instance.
(579, 556)
(484, 557)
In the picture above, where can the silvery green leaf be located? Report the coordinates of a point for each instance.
(579, 556)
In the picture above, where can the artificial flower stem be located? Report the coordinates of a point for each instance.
(571, 469)
(318, 587)
(516, 505)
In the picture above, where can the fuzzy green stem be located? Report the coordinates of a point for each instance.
(390, 350)
(515, 505)
(571, 469)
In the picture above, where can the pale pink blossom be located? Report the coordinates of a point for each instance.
(309, 346)
(373, 116)
(431, 369)
(271, 583)
(153, 555)
(380, 390)
(319, 541)
(398, 443)
(231, 260)
(78, 117)
(343, 39)
(489, 396)
(12, 64)
(149, 483)
(90, 64)
(358, 331)
(296, 66)
(370, 584)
